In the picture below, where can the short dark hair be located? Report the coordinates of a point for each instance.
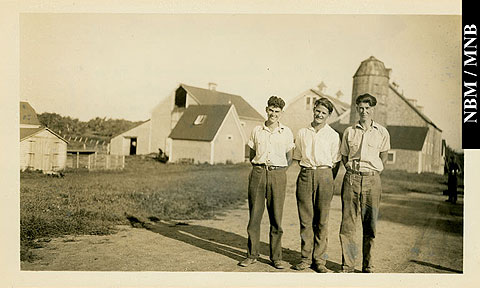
(276, 102)
(366, 98)
(326, 103)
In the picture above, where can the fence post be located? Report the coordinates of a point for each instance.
(123, 161)
(107, 161)
(89, 161)
(95, 160)
(78, 159)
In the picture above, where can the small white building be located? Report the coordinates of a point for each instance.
(40, 147)
(134, 141)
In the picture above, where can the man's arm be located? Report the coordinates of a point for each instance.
(252, 154)
(289, 157)
(384, 156)
(335, 168)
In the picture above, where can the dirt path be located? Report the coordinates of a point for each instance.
(417, 232)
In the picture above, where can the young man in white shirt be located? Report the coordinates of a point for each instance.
(364, 151)
(271, 146)
(317, 149)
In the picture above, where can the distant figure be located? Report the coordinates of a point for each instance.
(453, 170)
(162, 157)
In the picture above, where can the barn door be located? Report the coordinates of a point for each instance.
(133, 146)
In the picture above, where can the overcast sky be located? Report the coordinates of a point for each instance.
(122, 65)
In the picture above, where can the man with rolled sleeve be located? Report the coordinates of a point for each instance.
(271, 146)
(317, 149)
(364, 152)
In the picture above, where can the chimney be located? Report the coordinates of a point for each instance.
(212, 86)
(339, 94)
(321, 87)
(389, 72)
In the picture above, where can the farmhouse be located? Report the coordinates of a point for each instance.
(153, 134)
(299, 111)
(208, 134)
(40, 147)
(416, 141)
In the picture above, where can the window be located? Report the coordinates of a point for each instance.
(200, 119)
(391, 157)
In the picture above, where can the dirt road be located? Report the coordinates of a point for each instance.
(417, 232)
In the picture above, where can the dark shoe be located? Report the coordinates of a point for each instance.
(301, 266)
(320, 268)
(367, 270)
(279, 264)
(247, 261)
(347, 270)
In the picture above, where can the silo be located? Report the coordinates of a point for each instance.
(371, 77)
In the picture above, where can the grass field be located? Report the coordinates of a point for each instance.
(94, 203)
(86, 202)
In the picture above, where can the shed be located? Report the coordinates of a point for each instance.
(42, 149)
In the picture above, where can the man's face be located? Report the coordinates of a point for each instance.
(365, 111)
(320, 114)
(273, 114)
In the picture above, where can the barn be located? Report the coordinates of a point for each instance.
(416, 141)
(299, 111)
(40, 147)
(208, 134)
(154, 134)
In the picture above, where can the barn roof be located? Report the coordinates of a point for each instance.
(29, 132)
(423, 116)
(407, 137)
(340, 106)
(186, 129)
(213, 97)
(401, 137)
(28, 114)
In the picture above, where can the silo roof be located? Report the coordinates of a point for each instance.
(372, 67)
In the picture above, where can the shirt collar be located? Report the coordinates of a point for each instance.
(280, 128)
(311, 128)
(374, 125)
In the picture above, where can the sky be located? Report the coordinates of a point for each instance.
(122, 65)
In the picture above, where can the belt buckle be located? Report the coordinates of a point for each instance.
(270, 167)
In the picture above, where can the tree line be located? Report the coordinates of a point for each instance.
(97, 128)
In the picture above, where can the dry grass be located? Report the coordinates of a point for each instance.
(86, 202)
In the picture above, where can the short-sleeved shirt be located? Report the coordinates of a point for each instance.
(363, 147)
(320, 148)
(271, 147)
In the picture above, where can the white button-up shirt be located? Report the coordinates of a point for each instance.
(320, 148)
(364, 146)
(271, 147)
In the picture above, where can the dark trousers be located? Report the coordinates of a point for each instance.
(270, 186)
(314, 195)
(359, 194)
(452, 188)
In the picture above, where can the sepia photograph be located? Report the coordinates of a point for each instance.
(252, 149)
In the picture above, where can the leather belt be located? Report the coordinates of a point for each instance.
(362, 173)
(316, 167)
(269, 167)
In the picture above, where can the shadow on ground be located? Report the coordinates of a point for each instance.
(215, 240)
(446, 217)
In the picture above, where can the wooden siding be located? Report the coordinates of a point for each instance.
(43, 151)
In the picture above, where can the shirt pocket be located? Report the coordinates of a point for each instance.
(374, 141)
(353, 144)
